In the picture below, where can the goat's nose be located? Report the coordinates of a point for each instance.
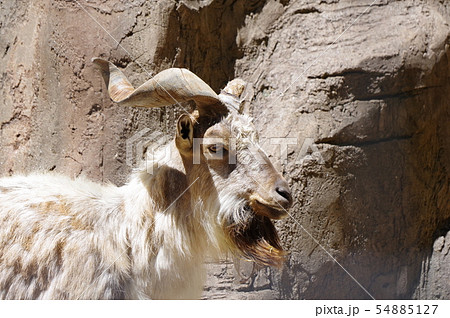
(284, 196)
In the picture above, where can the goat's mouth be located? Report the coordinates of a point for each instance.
(271, 211)
(257, 239)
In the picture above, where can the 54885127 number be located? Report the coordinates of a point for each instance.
(406, 309)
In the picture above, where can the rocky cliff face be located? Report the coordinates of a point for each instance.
(351, 98)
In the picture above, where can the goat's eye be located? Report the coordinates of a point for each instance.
(216, 149)
(213, 148)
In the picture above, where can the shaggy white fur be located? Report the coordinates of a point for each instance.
(68, 239)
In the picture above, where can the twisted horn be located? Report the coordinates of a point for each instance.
(168, 87)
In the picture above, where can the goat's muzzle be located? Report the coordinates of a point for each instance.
(275, 203)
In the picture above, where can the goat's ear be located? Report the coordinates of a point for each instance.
(185, 133)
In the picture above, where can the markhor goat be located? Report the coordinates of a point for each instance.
(75, 239)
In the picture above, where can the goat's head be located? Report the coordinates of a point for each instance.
(219, 146)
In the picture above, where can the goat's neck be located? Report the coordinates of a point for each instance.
(169, 203)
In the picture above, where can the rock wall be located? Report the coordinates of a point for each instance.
(356, 92)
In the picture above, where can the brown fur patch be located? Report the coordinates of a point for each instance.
(31, 269)
(167, 187)
(27, 242)
(53, 207)
(79, 225)
(12, 230)
(5, 190)
(17, 265)
(59, 248)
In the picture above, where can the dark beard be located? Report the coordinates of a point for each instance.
(257, 239)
